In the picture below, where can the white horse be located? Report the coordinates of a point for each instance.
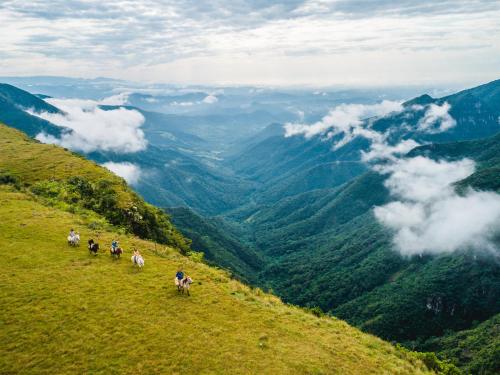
(137, 259)
(74, 240)
(184, 284)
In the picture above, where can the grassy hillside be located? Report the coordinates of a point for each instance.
(69, 181)
(65, 311)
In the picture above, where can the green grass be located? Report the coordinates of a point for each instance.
(65, 311)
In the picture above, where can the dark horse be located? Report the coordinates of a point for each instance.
(93, 247)
(116, 252)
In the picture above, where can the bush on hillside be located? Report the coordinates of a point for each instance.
(8, 179)
(431, 361)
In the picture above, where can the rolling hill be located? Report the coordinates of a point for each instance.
(65, 311)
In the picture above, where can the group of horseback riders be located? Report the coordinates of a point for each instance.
(182, 281)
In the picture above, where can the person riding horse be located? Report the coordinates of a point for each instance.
(115, 250)
(137, 258)
(93, 246)
(179, 276)
(185, 284)
(73, 238)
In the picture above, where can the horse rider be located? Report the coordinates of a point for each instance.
(179, 276)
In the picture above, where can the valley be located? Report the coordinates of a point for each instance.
(283, 197)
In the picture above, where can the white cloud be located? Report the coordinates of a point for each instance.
(130, 172)
(210, 99)
(345, 120)
(381, 150)
(182, 104)
(429, 216)
(95, 129)
(437, 119)
(118, 99)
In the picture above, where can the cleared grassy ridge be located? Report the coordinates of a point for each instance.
(69, 181)
(32, 162)
(63, 310)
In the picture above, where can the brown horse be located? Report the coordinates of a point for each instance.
(116, 252)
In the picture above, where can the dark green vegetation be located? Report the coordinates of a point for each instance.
(329, 251)
(13, 105)
(475, 350)
(326, 249)
(219, 245)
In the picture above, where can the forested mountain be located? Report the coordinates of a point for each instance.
(13, 105)
(219, 243)
(327, 249)
(296, 214)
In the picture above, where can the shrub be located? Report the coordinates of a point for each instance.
(432, 362)
(8, 179)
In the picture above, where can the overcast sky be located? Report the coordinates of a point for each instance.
(316, 42)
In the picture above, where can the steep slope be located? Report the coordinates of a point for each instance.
(69, 181)
(476, 350)
(65, 311)
(219, 244)
(13, 105)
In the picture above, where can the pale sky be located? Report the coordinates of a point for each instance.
(312, 42)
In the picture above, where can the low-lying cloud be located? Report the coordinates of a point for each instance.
(346, 120)
(118, 99)
(428, 216)
(437, 119)
(210, 99)
(128, 171)
(381, 150)
(95, 129)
